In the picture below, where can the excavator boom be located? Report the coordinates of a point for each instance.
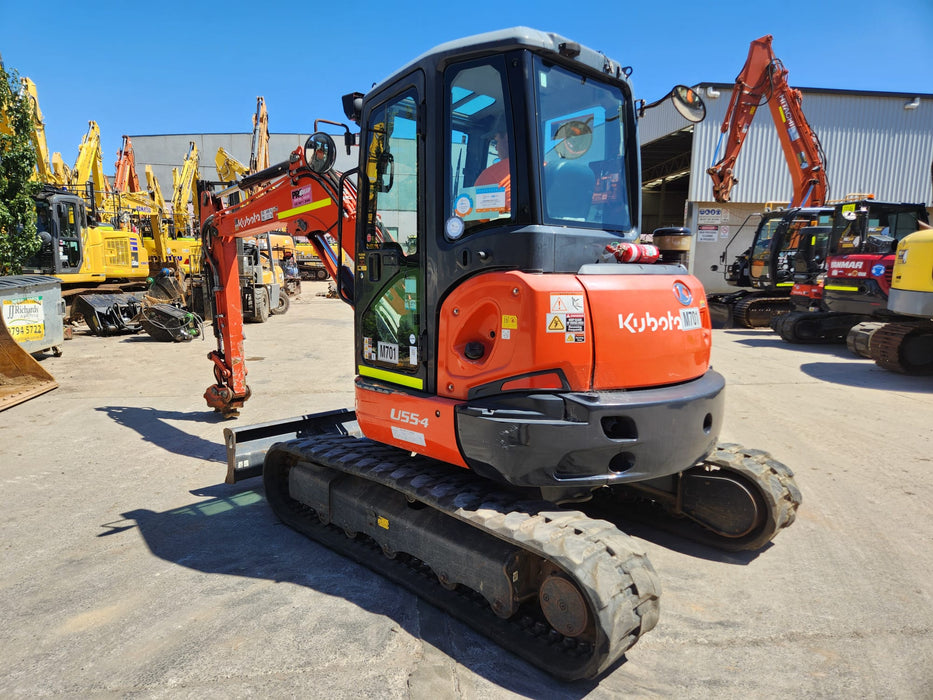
(763, 79)
(289, 195)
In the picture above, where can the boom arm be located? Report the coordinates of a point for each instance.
(126, 179)
(300, 200)
(183, 187)
(764, 78)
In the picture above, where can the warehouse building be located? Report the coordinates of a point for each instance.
(875, 143)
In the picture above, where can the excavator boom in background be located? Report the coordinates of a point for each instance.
(764, 79)
(507, 364)
(764, 272)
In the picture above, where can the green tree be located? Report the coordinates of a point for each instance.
(18, 238)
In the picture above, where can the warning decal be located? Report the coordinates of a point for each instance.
(555, 323)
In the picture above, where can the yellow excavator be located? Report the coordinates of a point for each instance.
(905, 343)
(97, 261)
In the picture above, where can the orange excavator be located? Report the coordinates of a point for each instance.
(763, 79)
(519, 391)
(762, 295)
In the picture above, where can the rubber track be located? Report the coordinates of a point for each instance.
(774, 482)
(753, 306)
(859, 338)
(606, 564)
(887, 347)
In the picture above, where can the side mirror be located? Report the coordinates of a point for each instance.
(320, 152)
(686, 101)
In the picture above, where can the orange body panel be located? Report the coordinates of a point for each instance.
(418, 424)
(508, 314)
(546, 325)
(647, 335)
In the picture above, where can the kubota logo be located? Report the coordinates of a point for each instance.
(245, 221)
(682, 293)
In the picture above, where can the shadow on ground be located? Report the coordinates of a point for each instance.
(153, 426)
(235, 533)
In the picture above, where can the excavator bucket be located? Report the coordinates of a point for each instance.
(21, 376)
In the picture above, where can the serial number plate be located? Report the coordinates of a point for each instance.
(690, 319)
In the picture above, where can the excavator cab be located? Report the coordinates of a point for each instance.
(61, 220)
(777, 241)
(493, 176)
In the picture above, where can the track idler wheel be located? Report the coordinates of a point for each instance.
(742, 497)
(735, 499)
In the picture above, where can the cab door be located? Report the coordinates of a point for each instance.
(390, 316)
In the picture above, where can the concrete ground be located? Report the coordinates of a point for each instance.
(131, 570)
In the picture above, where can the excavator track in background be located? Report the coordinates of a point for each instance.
(814, 326)
(735, 499)
(757, 311)
(858, 339)
(906, 347)
(567, 593)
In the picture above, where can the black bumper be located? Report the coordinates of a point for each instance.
(591, 439)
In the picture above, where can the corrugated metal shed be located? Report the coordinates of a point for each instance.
(873, 144)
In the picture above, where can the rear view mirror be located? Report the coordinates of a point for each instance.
(686, 101)
(320, 152)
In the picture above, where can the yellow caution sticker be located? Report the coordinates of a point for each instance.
(382, 522)
(555, 323)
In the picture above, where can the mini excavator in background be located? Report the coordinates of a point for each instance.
(511, 373)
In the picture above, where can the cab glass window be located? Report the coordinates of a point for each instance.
(479, 185)
(582, 136)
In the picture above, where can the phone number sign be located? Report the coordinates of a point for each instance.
(23, 318)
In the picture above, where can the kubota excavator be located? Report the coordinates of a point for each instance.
(507, 365)
(763, 79)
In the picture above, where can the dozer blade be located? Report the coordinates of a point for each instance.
(21, 377)
(247, 445)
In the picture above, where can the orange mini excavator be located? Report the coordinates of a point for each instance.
(517, 387)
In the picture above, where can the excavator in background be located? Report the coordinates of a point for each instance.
(146, 210)
(259, 146)
(184, 192)
(512, 373)
(764, 79)
(850, 300)
(51, 171)
(101, 266)
(765, 272)
(228, 167)
(905, 345)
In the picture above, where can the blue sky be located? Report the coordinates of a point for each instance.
(198, 67)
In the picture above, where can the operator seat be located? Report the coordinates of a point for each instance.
(569, 185)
